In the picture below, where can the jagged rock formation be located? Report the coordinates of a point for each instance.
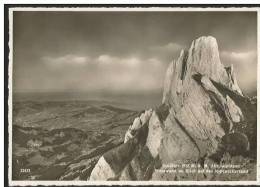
(203, 116)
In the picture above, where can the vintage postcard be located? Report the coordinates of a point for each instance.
(132, 95)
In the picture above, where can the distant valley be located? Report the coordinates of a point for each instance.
(62, 140)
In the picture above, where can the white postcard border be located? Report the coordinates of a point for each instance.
(137, 8)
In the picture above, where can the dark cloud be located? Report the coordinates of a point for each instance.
(121, 50)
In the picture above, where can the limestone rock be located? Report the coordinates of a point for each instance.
(155, 135)
(102, 171)
(112, 163)
(116, 160)
(137, 124)
(202, 109)
(203, 58)
(234, 110)
(233, 84)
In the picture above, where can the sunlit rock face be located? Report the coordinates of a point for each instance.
(202, 109)
(203, 58)
(155, 135)
(194, 113)
(102, 171)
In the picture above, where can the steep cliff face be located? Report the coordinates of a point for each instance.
(203, 114)
(198, 110)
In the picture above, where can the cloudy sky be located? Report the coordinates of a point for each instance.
(122, 51)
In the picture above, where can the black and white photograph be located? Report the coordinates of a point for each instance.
(118, 94)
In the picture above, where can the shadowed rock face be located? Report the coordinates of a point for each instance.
(203, 112)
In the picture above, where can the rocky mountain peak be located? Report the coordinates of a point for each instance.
(202, 57)
(203, 116)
